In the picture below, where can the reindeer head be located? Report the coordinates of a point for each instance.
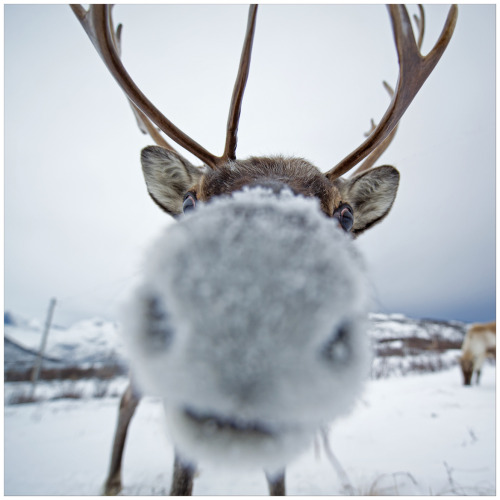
(357, 203)
(467, 365)
(250, 322)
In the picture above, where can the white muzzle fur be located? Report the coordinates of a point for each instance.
(250, 324)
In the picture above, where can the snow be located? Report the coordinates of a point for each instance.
(384, 326)
(415, 435)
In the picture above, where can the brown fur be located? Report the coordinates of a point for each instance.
(479, 342)
(169, 177)
(480, 328)
(128, 405)
(298, 174)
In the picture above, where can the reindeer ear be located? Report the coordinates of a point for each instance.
(371, 195)
(168, 176)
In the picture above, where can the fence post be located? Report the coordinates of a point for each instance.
(38, 362)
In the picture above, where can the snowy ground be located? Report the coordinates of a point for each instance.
(415, 435)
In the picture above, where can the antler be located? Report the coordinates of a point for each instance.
(99, 27)
(239, 88)
(143, 122)
(382, 147)
(413, 71)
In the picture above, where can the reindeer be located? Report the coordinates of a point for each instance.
(479, 342)
(231, 372)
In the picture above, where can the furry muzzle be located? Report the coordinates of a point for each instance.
(250, 324)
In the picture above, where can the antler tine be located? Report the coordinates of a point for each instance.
(239, 87)
(413, 71)
(97, 25)
(382, 147)
(143, 122)
(420, 22)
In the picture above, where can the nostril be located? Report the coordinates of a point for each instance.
(243, 386)
(338, 349)
(157, 331)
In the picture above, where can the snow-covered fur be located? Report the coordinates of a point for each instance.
(479, 341)
(250, 324)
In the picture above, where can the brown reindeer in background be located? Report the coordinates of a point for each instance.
(355, 204)
(479, 342)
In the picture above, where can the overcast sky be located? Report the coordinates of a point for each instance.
(77, 214)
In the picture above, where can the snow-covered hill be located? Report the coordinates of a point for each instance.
(92, 343)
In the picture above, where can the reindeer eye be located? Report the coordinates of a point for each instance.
(345, 216)
(189, 202)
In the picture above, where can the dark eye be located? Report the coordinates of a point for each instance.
(189, 202)
(344, 216)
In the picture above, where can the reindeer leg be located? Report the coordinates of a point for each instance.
(276, 483)
(182, 481)
(128, 404)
